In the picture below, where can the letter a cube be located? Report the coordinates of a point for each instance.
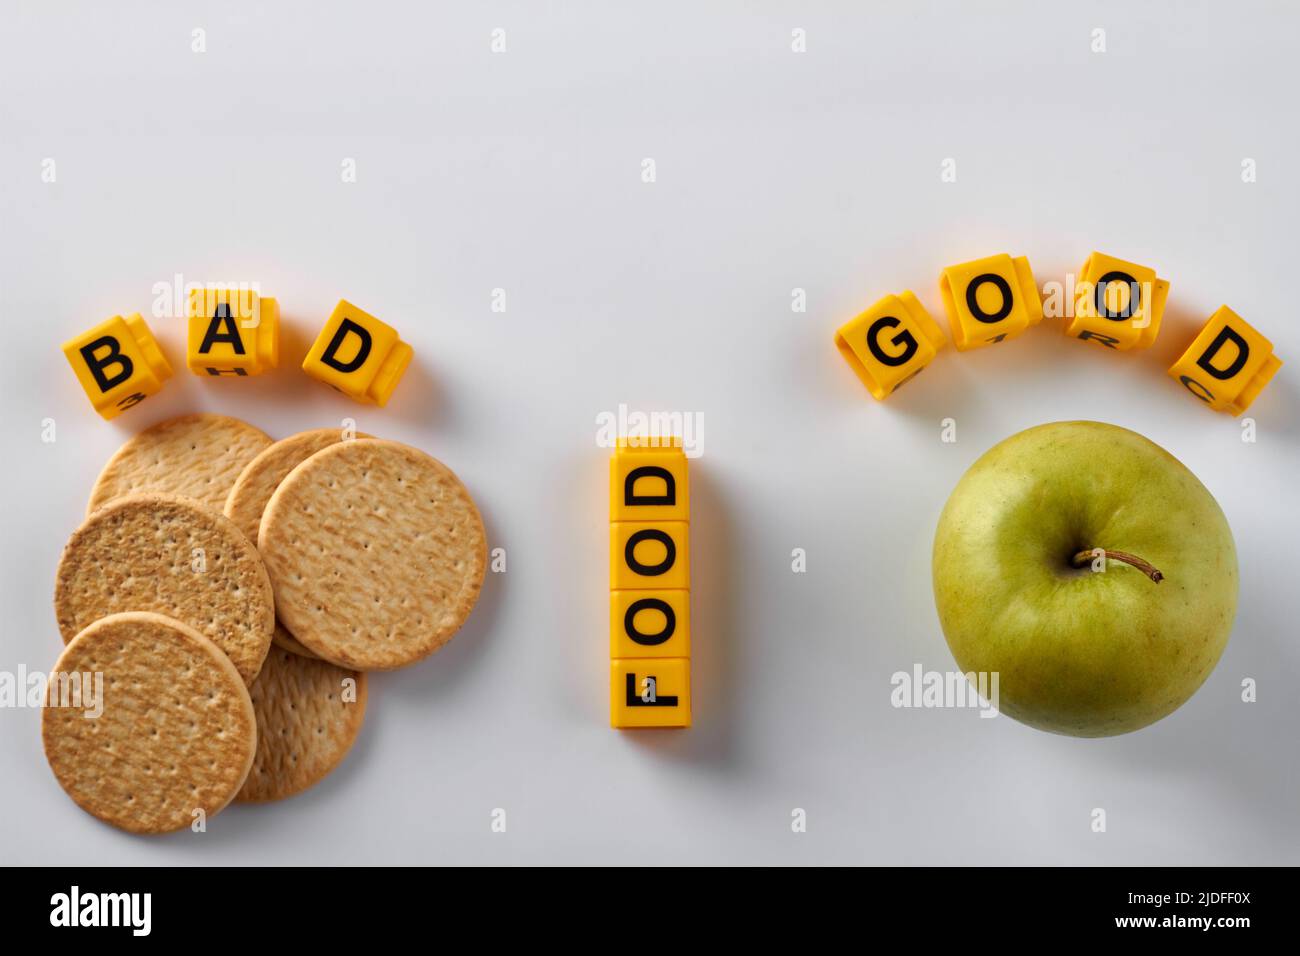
(232, 331)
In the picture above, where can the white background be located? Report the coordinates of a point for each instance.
(775, 170)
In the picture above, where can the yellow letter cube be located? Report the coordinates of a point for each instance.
(650, 692)
(1117, 304)
(649, 623)
(649, 554)
(648, 481)
(989, 300)
(1228, 363)
(889, 343)
(118, 364)
(358, 355)
(232, 332)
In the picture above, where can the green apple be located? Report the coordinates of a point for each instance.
(1085, 644)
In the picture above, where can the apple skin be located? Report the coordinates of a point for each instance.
(1079, 652)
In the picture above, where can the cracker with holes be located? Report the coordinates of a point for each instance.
(166, 554)
(175, 731)
(196, 456)
(309, 712)
(258, 481)
(376, 553)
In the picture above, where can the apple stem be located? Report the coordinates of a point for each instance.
(1085, 557)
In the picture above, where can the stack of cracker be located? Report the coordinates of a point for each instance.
(233, 592)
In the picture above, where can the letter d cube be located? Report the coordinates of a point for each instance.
(1228, 363)
(358, 355)
(118, 364)
(648, 481)
(889, 343)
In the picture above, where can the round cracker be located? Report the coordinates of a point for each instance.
(258, 481)
(376, 553)
(261, 476)
(166, 554)
(305, 724)
(197, 456)
(177, 732)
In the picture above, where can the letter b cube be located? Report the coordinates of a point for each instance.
(118, 364)
(358, 355)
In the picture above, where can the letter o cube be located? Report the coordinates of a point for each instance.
(889, 343)
(232, 332)
(118, 364)
(1228, 363)
(1117, 304)
(990, 300)
(649, 623)
(358, 355)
